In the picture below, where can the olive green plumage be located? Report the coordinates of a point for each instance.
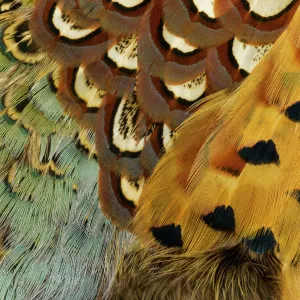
(53, 235)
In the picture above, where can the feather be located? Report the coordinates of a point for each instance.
(225, 273)
(240, 183)
(162, 55)
(91, 94)
(53, 236)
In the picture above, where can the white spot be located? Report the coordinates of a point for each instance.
(191, 90)
(124, 127)
(206, 6)
(132, 190)
(268, 8)
(128, 3)
(167, 137)
(124, 53)
(67, 28)
(87, 91)
(176, 42)
(248, 56)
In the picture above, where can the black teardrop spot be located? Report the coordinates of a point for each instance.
(263, 152)
(263, 241)
(293, 112)
(168, 235)
(222, 218)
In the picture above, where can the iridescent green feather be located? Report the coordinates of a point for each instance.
(55, 235)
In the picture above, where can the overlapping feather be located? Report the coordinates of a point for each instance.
(53, 235)
(111, 80)
(130, 70)
(240, 183)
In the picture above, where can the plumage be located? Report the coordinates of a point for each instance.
(239, 184)
(93, 94)
(53, 236)
(156, 58)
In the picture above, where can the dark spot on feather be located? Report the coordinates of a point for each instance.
(92, 110)
(263, 152)
(8, 120)
(22, 104)
(81, 147)
(53, 174)
(51, 83)
(7, 185)
(192, 6)
(46, 157)
(244, 73)
(168, 235)
(262, 242)
(5, 238)
(246, 5)
(222, 218)
(206, 17)
(161, 39)
(293, 112)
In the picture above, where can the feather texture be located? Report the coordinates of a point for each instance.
(53, 235)
(88, 84)
(130, 70)
(240, 183)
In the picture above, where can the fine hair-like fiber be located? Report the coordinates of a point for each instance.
(221, 274)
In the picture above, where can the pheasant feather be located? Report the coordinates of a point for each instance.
(148, 107)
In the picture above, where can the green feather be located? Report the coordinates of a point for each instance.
(57, 237)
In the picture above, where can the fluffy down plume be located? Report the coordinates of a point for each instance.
(92, 83)
(224, 273)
